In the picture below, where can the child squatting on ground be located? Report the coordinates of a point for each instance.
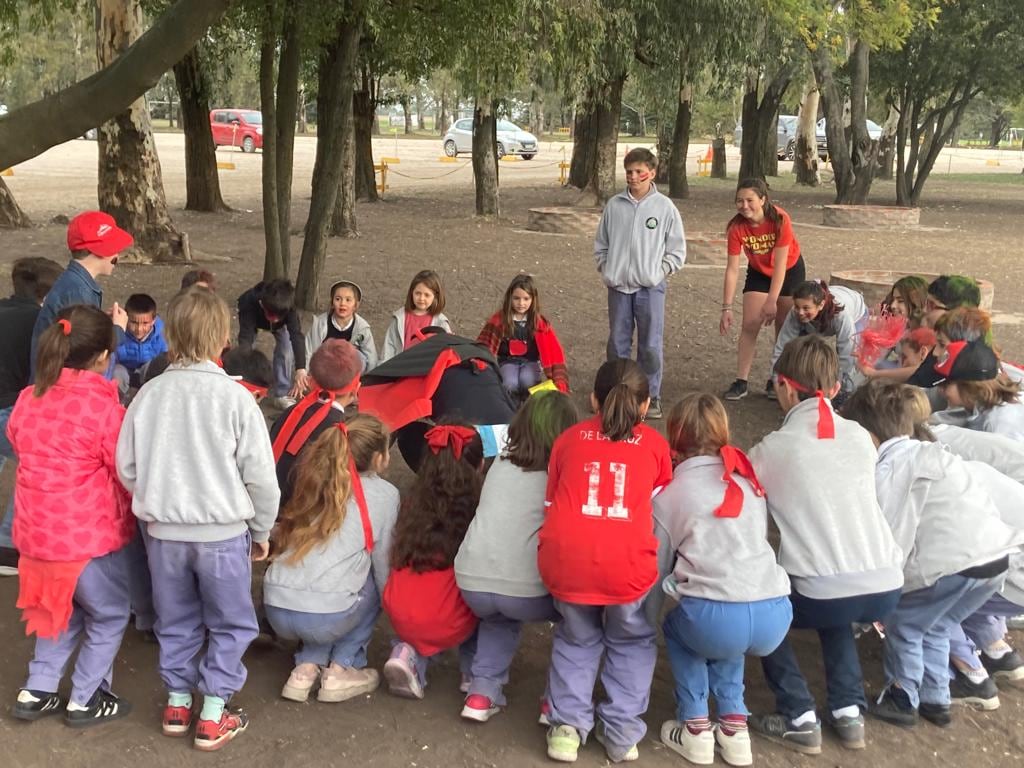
(207, 494)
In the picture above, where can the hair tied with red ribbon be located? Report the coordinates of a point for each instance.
(440, 437)
(65, 326)
(826, 422)
(736, 463)
(358, 494)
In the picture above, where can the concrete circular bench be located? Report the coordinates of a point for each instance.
(870, 217)
(874, 284)
(564, 220)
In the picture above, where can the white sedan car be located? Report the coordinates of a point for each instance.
(512, 140)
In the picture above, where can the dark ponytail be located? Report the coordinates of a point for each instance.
(79, 335)
(818, 292)
(621, 388)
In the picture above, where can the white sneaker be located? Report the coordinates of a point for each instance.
(339, 683)
(284, 402)
(631, 754)
(300, 682)
(698, 748)
(735, 749)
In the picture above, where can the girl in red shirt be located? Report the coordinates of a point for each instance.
(597, 555)
(763, 232)
(72, 521)
(421, 597)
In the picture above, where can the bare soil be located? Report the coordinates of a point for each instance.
(428, 223)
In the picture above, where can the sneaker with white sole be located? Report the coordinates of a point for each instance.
(654, 409)
(769, 390)
(101, 708)
(698, 748)
(31, 705)
(1009, 667)
(804, 738)
(479, 708)
(563, 743)
(734, 745)
(849, 729)
(982, 695)
(400, 672)
(737, 391)
(616, 754)
(338, 683)
(300, 682)
(8, 561)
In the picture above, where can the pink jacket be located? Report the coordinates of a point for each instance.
(69, 504)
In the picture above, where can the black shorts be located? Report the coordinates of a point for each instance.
(758, 282)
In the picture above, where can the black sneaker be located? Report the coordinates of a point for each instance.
(894, 707)
(8, 561)
(983, 695)
(737, 391)
(936, 714)
(31, 705)
(102, 707)
(654, 409)
(1009, 666)
(805, 738)
(850, 730)
(769, 390)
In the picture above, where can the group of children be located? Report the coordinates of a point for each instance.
(911, 522)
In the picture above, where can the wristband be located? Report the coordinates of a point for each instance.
(727, 309)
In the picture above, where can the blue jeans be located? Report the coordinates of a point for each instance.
(517, 376)
(916, 654)
(707, 640)
(645, 311)
(284, 361)
(6, 452)
(843, 680)
(985, 626)
(340, 637)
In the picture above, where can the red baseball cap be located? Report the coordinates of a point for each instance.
(96, 232)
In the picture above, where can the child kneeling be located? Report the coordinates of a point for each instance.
(332, 542)
(712, 524)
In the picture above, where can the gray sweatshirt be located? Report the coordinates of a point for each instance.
(639, 243)
(727, 559)
(195, 454)
(394, 337)
(499, 552)
(328, 579)
(999, 451)
(362, 337)
(843, 327)
(834, 540)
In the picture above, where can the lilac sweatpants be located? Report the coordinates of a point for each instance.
(625, 639)
(202, 592)
(497, 636)
(981, 629)
(98, 620)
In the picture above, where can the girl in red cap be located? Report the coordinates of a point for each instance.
(421, 597)
(712, 523)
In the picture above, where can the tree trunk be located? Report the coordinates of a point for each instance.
(887, 145)
(664, 151)
(864, 149)
(301, 126)
(287, 103)
(805, 157)
(718, 170)
(758, 144)
(485, 156)
(131, 187)
(832, 105)
(442, 112)
(678, 187)
(536, 113)
(343, 220)
(407, 113)
(584, 141)
(597, 129)
(202, 183)
(339, 59)
(999, 124)
(11, 215)
(771, 150)
(362, 117)
(274, 265)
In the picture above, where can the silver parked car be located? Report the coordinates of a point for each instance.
(874, 131)
(785, 145)
(512, 140)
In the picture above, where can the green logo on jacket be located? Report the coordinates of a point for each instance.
(651, 223)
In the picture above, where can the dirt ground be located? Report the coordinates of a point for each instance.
(428, 223)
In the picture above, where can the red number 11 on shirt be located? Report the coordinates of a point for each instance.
(592, 508)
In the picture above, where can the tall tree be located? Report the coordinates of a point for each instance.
(202, 182)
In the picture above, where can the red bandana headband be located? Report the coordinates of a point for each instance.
(736, 463)
(439, 438)
(65, 326)
(291, 438)
(357, 492)
(826, 424)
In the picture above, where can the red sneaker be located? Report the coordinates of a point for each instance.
(177, 720)
(211, 736)
(545, 711)
(479, 708)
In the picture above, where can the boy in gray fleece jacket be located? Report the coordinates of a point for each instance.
(639, 243)
(195, 454)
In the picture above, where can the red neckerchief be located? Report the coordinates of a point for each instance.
(826, 424)
(256, 389)
(736, 462)
(291, 438)
(440, 437)
(357, 492)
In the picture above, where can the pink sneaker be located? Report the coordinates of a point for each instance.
(400, 672)
(479, 708)
(545, 712)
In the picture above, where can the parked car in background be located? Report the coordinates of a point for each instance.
(874, 131)
(512, 140)
(785, 144)
(237, 128)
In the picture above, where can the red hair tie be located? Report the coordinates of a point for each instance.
(736, 463)
(292, 437)
(65, 326)
(439, 438)
(826, 424)
(357, 492)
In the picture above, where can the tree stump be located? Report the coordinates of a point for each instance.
(718, 158)
(882, 217)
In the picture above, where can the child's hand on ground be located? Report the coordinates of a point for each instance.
(299, 384)
(259, 551)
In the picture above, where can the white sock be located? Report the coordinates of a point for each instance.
(805, 718)
(976, 676)
(851, 711)
(72, 707)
